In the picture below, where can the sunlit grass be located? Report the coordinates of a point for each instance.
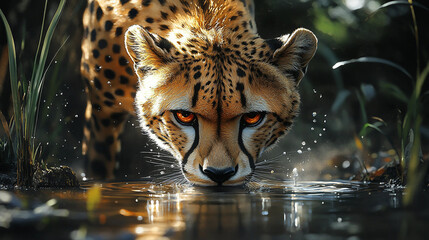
(26, 99)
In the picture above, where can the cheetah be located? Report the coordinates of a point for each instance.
(202, 82)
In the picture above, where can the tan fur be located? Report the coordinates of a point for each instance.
(203, 57)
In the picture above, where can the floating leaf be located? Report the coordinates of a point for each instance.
(373, 60)
(93, 197)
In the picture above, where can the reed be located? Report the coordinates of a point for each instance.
(408, 129)
(26, 99)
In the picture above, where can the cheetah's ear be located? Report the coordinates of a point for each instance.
(147, 50)
(294, 52)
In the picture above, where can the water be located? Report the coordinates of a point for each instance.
(279, 210)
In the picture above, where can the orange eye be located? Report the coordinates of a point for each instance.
(184, 117)
(252, 119)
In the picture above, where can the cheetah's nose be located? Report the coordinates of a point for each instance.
(219, 175)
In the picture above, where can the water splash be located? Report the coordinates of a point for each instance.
(295, 176)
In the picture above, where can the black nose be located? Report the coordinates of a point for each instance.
(219, 175)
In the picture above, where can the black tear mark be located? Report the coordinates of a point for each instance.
(195, 97)
(240, 88)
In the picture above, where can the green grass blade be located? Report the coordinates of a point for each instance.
(393, 91)
(392, 3)
(37, 79)
(40, 39)
(421, 79)
(415, 175)
(362, 107)
(340, 99)
(376, 126)
(13, 73)
(373, 60)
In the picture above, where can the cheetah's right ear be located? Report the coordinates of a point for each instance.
(293, 52)
(147, 50)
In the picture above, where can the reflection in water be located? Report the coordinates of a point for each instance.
(201, 213)
(306, 209)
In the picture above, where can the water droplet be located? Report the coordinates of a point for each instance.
(320, 96)
(346, 164)
(137, 200)
(324, 129)
(284, 153)
(55, 61)
(314, 90)
(312, 128)
(314, 120)
(339, 219)
(272, 171)
(299, 151)
(139, 218)
(264, 213)
(320, 134)
(314, 114)
(303, 143)
(162, 172)
(315, 141)
(308, 149)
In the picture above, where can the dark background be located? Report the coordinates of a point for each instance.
(344, 32)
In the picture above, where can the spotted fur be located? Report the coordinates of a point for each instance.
(201, 57)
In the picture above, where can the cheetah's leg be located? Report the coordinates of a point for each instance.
(102, 140)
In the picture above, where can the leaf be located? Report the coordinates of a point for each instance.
(93, 197)
(37, 79)
(376, 126)
(13, 72)
(362, 106)
(393, 91)
(340, 99)
(416, 171)
(373, 60)
(392, 3)
(358, 143)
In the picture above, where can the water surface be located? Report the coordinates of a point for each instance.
(262, 210)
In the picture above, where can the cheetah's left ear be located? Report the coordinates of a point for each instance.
(294, 52)
(147, 50)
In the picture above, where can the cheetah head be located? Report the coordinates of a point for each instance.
(216, 104)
